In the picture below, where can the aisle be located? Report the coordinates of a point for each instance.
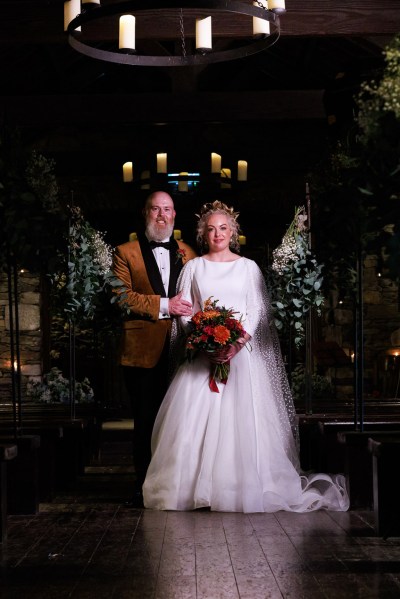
(89, 545)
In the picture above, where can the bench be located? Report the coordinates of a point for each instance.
(385, 463)
(22, 474)
(66, 444)
(358, 463)
(8, 451)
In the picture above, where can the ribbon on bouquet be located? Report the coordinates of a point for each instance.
(219, 372)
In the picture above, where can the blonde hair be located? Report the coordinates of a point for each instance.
(218, 207)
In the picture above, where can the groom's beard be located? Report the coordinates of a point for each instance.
(158, 233)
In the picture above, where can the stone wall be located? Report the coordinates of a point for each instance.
(381, 334)
(30, 332)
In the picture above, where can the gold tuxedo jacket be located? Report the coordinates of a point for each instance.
(144, 334)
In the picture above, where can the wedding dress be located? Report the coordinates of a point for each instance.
(235, 450)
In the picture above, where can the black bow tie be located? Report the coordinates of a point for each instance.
(160, 244)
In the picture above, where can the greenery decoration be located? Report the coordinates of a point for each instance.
(31, 214)
(55, 388)
(295, 279)
(83, 270)
(356, 190)
(321, 387)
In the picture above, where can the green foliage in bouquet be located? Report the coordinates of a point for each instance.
(294, 279)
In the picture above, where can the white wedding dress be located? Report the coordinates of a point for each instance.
(236, 450)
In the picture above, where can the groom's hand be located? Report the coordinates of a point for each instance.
(179, 307)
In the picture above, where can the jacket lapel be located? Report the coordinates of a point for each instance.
(175, 266)
(151, 266)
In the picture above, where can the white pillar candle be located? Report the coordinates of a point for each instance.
(277, 6)
(132, 236)
(215, 163)
(183, 185)
(203, 33)
(260, 26)
(242, 170)
(242, 239)
(177, 234)
(127, 172)
(226, 174)
(127, 32)
(72, 9)
(162, 163)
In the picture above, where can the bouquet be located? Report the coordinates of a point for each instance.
(214, 328)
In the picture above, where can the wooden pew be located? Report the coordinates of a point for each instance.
(8, 451)
(385, 453)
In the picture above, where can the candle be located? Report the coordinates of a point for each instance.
(242, 240)
(127, 172)
(242, 170)
(162, 163)
(260, 26)
(177, 234)
(72, 9)
(127, 32)
(226, 174)
(203, 34)
(277, 6)
(183, 185)
(132, 236)
(215, 163)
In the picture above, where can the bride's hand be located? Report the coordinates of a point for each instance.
(227, 353)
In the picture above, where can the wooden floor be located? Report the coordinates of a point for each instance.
(88, 544)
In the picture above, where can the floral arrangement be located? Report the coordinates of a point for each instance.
(85, 272)
(294, 279)
(55, 388)
(214, 328)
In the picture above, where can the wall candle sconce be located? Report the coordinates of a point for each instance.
(162, 163)
(127, 172)
(177, 234)
(133, 236)
(183, 185)
(226, 174)
(215, 163)
(188, 181)
(242, 240)
(242, 170)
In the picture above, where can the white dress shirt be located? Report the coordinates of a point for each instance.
(162, 258)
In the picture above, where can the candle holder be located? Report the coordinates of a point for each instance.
(75, 28)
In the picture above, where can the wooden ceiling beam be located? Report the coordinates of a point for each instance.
(32, 111)
(29, 21)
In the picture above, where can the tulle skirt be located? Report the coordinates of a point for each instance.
(225, 450)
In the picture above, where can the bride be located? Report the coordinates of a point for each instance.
(234, 448)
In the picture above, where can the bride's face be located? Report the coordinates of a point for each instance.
(218, 233)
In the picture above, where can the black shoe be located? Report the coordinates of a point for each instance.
(136, 500)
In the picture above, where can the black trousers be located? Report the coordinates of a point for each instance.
(146, 389)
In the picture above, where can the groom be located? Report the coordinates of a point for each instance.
(149, 270)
